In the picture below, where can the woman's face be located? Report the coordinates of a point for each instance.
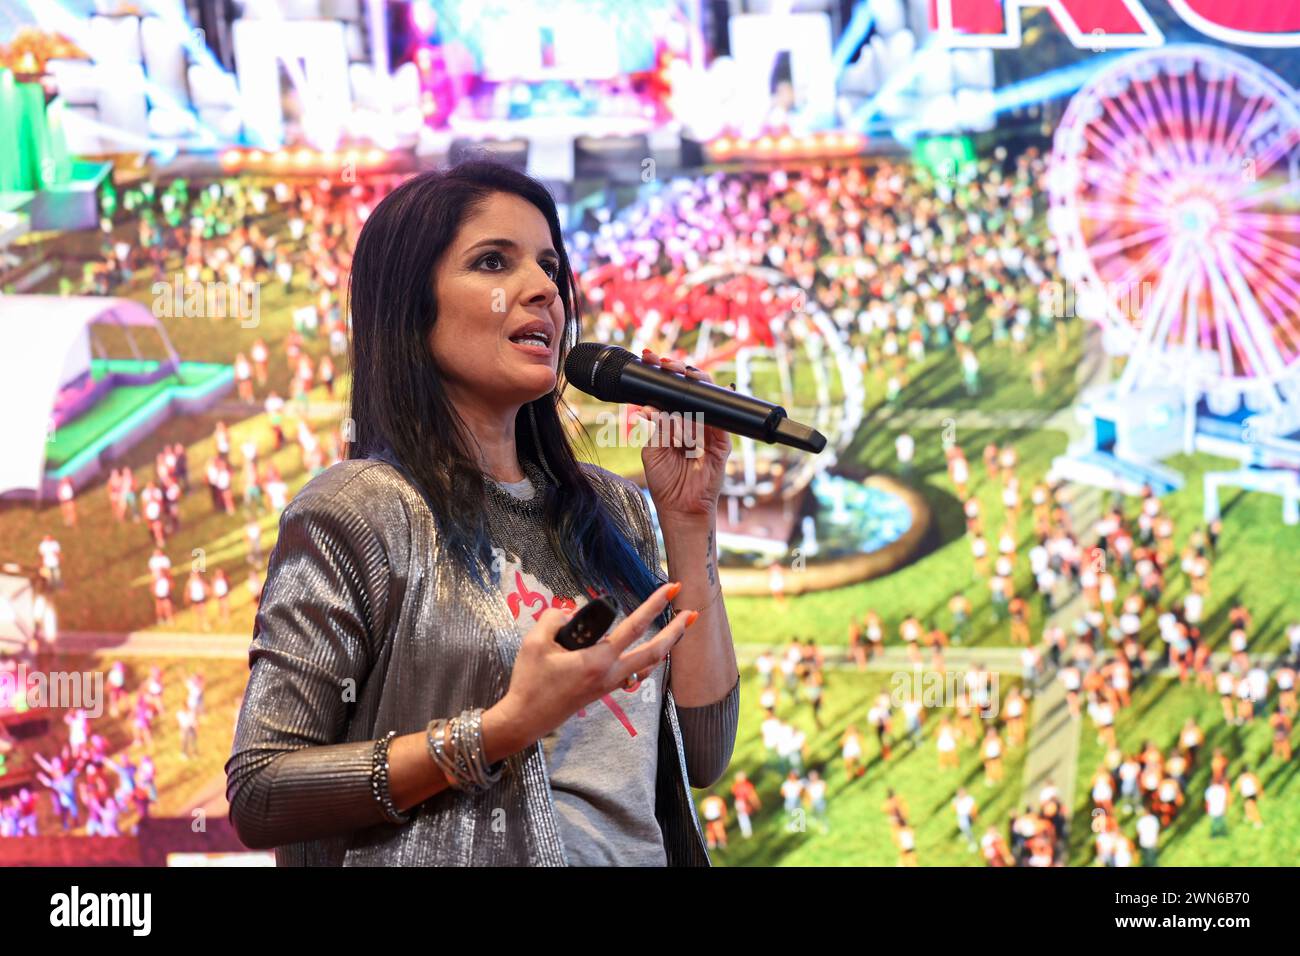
(498, 276)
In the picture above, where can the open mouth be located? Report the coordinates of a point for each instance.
(536, 342)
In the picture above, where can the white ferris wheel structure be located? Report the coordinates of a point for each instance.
(1175, 201)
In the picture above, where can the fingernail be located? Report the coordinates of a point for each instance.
(673, 590)
(692, 617)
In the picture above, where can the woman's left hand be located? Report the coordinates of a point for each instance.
(684, 470)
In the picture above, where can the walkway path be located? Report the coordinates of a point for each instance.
(1053, 733)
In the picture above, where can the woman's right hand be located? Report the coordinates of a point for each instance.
(550, 683)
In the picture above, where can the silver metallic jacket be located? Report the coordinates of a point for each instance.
(367, 625)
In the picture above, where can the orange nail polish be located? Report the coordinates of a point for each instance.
(692, 617)
(673, 590)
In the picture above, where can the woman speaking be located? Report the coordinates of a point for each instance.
(407, 702)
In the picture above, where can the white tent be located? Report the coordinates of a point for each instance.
(18, 610)
(47, 344)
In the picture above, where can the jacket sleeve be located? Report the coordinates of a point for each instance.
(708, 731)
(709, 737)
(323, 606)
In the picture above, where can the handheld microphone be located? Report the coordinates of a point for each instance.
(614, 374)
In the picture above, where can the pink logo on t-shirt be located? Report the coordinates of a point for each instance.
(529, 596)
(525, 596)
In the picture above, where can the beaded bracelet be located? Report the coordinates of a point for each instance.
(379, 780)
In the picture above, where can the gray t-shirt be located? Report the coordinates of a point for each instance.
(602, 761)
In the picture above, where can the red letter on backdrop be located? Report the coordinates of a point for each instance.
(1261, 23)
(1092, 24)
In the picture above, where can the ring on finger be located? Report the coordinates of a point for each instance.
(631, 681)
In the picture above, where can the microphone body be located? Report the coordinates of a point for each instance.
(614, 374)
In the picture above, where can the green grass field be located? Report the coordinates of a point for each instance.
(1259, 567)
(1005, 382)
(1160, 706)
(858, 831)
(925, 586)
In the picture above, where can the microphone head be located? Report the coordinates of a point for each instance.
(594, 368)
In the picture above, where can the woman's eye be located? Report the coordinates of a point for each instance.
(492, 257)
(552, 269)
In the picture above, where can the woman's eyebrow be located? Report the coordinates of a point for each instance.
(508, 244)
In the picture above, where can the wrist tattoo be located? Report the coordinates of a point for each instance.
(709, 568)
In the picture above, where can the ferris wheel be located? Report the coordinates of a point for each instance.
(1175, 200)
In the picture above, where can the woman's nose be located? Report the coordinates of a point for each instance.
(542, 288)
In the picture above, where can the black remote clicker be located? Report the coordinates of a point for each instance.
(587, 626)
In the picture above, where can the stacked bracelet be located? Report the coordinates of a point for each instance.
(379, 780)
(456, 746)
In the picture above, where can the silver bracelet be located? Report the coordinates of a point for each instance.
(456, 747)
(476, 752)
(379, 780)
(435, 740)
(467, 752)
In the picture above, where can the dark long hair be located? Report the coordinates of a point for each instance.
(398, 399)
